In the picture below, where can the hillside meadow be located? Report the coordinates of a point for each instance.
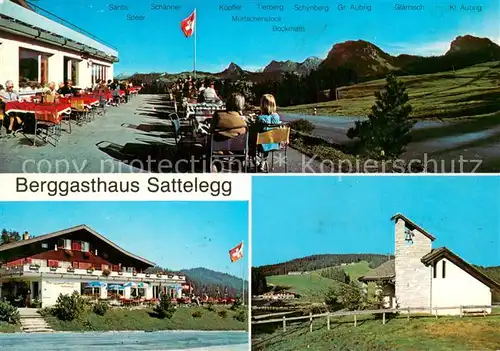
(469, 92)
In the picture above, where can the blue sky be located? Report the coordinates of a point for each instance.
(320, 215)
(174, 235)
(157, 43)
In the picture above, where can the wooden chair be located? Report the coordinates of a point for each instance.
(49, 99)
(280, 134)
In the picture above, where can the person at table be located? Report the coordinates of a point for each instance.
(265, 121)
(8, 95)
(230, 123)
(209, 94)
(67, 89)
(51, 89)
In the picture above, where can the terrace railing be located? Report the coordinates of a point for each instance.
(26, 269)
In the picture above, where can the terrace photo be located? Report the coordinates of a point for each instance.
(376, 263)
(249, 87)
(105, 272)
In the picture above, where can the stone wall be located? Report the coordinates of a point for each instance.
(413, 279)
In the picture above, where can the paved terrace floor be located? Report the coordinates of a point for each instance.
(133, 137)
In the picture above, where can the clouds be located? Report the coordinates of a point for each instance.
(432, 48)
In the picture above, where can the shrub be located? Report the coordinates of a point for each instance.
(211, 307)
(101, 308)
(236, 305)
(165, 308)
(106, 272)
(347, 296)
(241, 316)
(8, 313)
(68, 307)
(223, 314)
(196, 314)
(36, 304)
(387, 131)
(335, 273)
(45, 312)
(302, 125)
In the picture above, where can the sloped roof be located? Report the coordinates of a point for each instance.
(69, 231)
(443, 252)
(386, 271)
(412, 225)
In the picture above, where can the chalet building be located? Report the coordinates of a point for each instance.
(78, 259)
(37, 47)
(422, 277)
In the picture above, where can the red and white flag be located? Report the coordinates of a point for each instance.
(187, 25)
(236, 253)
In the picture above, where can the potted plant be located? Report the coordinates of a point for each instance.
(134, 273)
(148, 275)
(53, 268)
(90, 270)
(106, 272)
(120, 272)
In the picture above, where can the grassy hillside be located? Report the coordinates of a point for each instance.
(123, 319)
(315, 262)
(445, 333)
(312, 286)
(469, 92)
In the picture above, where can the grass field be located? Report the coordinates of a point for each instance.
(312, 286)
(9, 328)
(445, 333)
(122, 319)
(469, 92)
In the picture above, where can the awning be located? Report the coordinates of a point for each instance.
(115, 287)
(96, 284)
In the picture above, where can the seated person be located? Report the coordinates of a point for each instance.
(50, 93)
(67, 89)
(230, 123)
(267, 117)
(209, 94)
(7, 95)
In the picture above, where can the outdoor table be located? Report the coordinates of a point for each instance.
(29, 107)
(88, 101)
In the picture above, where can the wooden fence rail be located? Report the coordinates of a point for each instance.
(383, 312)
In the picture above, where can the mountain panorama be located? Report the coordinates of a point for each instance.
(364, 58)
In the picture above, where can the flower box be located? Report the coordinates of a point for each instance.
(70, 269)
(53, 269)
(90, 270)
(159, 275)
(120, 273)
(134, 274)
(34, 267)
(170, 276)
(148, 275)
(106, 272)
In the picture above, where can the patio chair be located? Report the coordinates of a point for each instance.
(79, 110)
(232, 148)
(103, 101)
(48, 119)
(49, 99)
(280, 134)
(184, 138)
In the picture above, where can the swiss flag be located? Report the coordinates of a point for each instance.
(187, 25)
(236, 253)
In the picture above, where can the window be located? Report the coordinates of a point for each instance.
(434, 269)
(444, 269)
(98, 72)
(85, 246)
(64, 244)
(71, 70)
(33, 67)
(45, 246)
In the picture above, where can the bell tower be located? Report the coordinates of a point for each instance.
(413, 278)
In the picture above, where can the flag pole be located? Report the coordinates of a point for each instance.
(195, 30)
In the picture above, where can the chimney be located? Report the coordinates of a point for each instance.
(26, 236)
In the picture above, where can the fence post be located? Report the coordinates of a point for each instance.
(408, 314)
(436, 312)
(355, 321)
(310, 322)
(284, 324)
(383, 318)
(461, 311)
(328, 321)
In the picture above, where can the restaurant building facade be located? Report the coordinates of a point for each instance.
(78, 259)
(37, 47)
